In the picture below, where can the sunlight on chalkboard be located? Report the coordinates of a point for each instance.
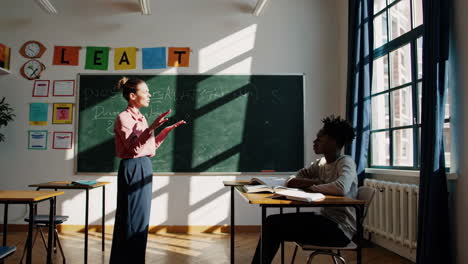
(214, 89)
(235, 123)
(226, 49)
(224, 138)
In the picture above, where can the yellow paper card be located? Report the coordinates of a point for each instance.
(62, 114)
(125, 58)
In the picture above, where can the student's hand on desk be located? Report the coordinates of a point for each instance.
(160, 120)
(300, 183)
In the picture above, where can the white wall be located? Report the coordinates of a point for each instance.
(300, 36)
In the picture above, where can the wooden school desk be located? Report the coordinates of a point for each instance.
(67, 185)
(31, 198)
(264, 202)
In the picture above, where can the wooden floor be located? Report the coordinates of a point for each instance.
(182, 248)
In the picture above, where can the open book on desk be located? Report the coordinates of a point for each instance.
(298, 195)
(266, 184)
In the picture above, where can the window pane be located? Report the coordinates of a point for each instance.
(400, 19)
(419, 147)
(420, 55)
(380, 148)
(419, 101)
(402, 107)
(380, 113)
(403, 147)
(379, 5)
(417, 13)
(400, 65)
(447, 103)
(380, 74)
(380, 30)
(447, 146)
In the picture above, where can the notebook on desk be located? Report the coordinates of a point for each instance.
(83, 183)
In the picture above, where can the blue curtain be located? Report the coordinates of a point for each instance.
(360, 58)
(433, 232)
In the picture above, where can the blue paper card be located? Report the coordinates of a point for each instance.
(154, 58)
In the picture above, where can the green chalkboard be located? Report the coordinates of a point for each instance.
(236, 123)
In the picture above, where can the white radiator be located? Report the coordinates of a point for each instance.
(393, 214)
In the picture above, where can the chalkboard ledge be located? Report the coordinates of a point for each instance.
(267, 173)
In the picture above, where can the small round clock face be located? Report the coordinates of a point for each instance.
(32, 69)
(32, 49)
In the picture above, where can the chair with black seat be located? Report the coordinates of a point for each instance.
(6, 251)
(365, 194)
(41, 221)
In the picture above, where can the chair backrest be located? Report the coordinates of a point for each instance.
(366, 193)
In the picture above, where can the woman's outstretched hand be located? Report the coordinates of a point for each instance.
(161, 119)
(181, 122)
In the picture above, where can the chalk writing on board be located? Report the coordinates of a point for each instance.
(101, 113)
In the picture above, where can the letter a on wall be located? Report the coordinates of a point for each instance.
(125, 58)
(97, 58)
(178, 57)
(66, 55)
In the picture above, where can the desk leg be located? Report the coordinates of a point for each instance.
(262, 245)
(86, 228)
(359, 210)
(282, 242)
(51, 230)
(232, 229)
(30, 230)
(103, 227)
(5, 223)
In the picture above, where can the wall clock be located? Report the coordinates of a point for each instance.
(32, 69)
(32, 49)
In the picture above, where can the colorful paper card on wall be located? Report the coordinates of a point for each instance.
(125, 58)
(4, 56)
(154, 58)
(38, 114)
(66, 55)
(62, 114)
(64, 88)
(178, 57)
(41, 88)
(97, 58)
(37, 139)
(62, 140)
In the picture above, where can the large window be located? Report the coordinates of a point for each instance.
(396, 86)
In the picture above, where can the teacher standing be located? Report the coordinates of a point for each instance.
(135, 143)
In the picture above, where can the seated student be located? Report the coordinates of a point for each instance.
(333, 174)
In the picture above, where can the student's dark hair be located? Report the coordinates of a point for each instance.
(339, 129)
(128, 85)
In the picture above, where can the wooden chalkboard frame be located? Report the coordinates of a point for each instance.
(254, 173)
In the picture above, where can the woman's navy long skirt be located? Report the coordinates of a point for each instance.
(134, 194)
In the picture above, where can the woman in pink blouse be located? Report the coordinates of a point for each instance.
(135, 143)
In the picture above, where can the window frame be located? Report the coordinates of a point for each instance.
(409, 38)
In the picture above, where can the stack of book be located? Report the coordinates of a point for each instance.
(4, 56)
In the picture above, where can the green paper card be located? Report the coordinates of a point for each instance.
(97, 58)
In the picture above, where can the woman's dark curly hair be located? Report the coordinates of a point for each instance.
(339, 129)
